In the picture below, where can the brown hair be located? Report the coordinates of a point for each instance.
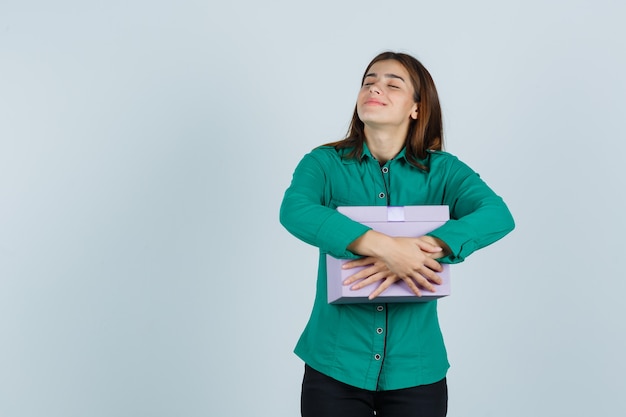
(425, 133)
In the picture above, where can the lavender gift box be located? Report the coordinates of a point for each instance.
(409, 221)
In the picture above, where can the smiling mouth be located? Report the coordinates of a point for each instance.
(374, 102)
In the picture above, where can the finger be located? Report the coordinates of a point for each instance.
(353, 278)
(431, 276)
(427, 247)
(359, 262)
(433, 265)
(427, 279)
(382, 287)
(365, 273)
(435, 255)
(369, 280)
(412, 286)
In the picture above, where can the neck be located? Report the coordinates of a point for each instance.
(384, 144)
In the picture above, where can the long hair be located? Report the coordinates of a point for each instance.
(424, 134)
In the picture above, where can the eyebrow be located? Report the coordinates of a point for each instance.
(373, 74)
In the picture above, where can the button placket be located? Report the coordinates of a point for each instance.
(379, 325)
(384, 194)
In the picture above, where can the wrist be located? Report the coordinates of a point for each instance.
(371, 243)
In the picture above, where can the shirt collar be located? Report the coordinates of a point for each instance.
(366, 152)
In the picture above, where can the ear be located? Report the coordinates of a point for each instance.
(415, 111)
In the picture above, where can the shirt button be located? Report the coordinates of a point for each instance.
(380, 308)
(379, 330)
(377, 357)
(385, 170)
(381, 195)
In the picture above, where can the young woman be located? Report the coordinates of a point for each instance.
(385, 359)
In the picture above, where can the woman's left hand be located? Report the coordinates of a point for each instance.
(374, 270)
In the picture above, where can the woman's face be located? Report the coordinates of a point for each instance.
(386, 96)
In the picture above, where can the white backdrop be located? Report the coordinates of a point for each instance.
(144, 150)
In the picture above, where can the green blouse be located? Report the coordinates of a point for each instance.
(383, 346)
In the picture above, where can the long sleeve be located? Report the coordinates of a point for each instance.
(304, 211)
(478, 216)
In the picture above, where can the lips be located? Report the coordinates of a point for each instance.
(373, 101)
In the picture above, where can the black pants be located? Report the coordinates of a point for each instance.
(323, 396)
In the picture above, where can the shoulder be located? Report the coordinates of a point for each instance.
(326, 155)
(443, 158)
(325, 151)
(323, 159)
(445, 161)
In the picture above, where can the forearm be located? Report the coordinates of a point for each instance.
(474, 231)
(305, 214)
(371, 243)
(478, 216)
(320, 226)
(376, 244)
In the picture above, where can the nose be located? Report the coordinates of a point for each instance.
(374, 89)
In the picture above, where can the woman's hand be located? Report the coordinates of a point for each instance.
(407, 259)
(434, 248)
(375, 270)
